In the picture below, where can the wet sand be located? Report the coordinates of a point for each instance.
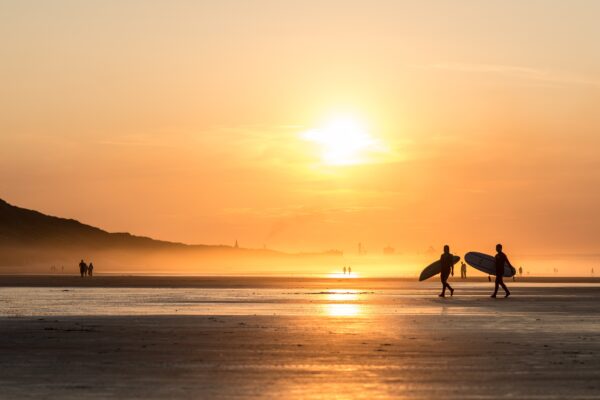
(170, 281)
(300, 339)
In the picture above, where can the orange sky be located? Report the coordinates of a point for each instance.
(189, 121)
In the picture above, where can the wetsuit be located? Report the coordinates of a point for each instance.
(447, 261)
(501, 259)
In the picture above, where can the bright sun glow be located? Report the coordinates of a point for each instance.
(341, 275)
(343, 141)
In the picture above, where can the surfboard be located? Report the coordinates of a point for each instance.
(435, 268)
(486, 264)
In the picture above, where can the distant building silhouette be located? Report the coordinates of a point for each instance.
(361, 249)
(388, 250)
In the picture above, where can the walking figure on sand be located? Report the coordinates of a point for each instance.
(86, 270)
(501, 259)
(463, 270)
(446, 260)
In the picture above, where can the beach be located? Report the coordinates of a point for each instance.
(65, 337)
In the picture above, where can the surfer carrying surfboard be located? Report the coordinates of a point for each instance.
(500, 260)
(447, 261)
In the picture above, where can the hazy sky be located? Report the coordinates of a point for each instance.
(468, 122)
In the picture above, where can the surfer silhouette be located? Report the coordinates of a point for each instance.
(446, 260)
(501, 259)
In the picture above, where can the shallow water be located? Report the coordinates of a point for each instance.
(411, 298)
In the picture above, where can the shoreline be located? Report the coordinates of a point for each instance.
(171, 281)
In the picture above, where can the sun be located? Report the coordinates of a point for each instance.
(343, 141)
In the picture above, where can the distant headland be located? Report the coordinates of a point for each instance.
(31, 242)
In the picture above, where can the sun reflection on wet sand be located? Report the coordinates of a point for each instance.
(340, 275)
(342, 310)
(342, 295)
(344, 306)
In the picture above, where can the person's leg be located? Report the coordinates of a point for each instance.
(443, 294)
(450, 288)
(496, 285)
(505, 289)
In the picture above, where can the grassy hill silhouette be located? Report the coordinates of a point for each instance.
(31, 241)
(21, 226)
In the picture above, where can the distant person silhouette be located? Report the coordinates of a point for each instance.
(82, 268)
(447, 267)
(349, 270)
(344, 270)
(501, 259)
(463, 270)
(520, 271)
(90, 269)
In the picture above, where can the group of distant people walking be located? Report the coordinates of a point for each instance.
(447, 261)
(85, 269)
